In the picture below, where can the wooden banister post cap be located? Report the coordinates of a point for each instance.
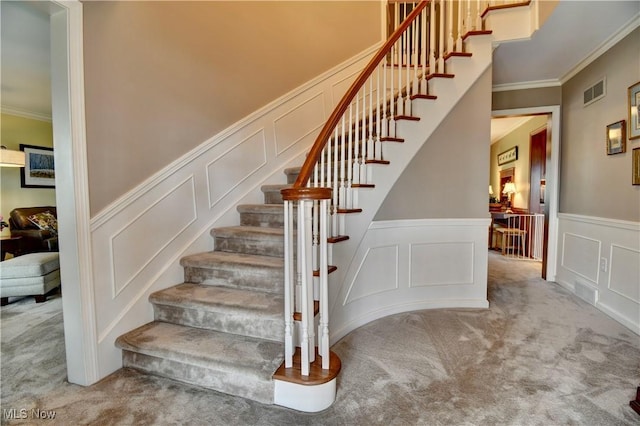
(293, 194)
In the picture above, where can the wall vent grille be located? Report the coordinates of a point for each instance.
(595, 92)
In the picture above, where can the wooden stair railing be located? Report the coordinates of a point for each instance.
(339, 162)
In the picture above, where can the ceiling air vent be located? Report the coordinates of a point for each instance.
(595, 92)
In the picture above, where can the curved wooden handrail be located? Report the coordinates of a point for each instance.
(341, 108)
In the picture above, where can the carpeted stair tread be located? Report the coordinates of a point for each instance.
(225, 299)
(260, 208)
(224, 259)
(260, 240)
(249, 271)
(233, 364)
(230, 310)
(272, 192)
(248, 232)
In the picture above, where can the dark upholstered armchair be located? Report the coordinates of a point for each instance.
(34, 238)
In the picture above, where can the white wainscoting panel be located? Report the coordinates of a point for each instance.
(441, 264)
(234, 166)
(134, 246)
(624, 277)
(581, 255)
(378, 272)
(606, 252)
(138, 241)
(299, 122)
(407, 265)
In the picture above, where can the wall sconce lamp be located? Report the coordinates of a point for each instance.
(11, 158)
(509, 190)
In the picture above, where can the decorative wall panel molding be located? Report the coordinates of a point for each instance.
(580, 255)
(441, 264)
(234, 166)
(299, 122)
(378, 273)
(406, 265)
(609, 250)
(139, 241)
(624, 276)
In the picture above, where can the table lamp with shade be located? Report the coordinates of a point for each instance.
(509, 190)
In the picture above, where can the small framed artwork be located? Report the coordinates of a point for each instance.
(508, 156)
(635, 179)
(39, 169)
(634, 113)
(616, 138)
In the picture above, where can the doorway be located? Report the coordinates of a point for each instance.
(544, 177)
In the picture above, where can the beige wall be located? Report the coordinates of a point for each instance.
(163, 77)
(448, 176)
(14, 131)
(519, 137)
(526, 98)
(592, 182)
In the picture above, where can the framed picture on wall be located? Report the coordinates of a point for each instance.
(508, 156)
(636, 166)
(616, 138)
(39, 169)
(634, 116)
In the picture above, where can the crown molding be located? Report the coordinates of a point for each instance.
(624, 31)
(539, 84)
(6, 109)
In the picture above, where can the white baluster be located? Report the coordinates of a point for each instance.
(478, 26)
(392, 95)
(356, 144)
(288, 285)
(363, 127)
(450, 41)
(332, 182)
(432, 38)
(349, 164)
(460, 27)
(323, 326)
(301, 301)
(342, 196)
(425, 50)
(441, 39)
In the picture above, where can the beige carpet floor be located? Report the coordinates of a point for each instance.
(537, 356)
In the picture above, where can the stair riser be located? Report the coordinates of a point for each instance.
(246, 324)
(231, 382)
(264, 279)
(273, 197)
(267, 220)
(268, 246)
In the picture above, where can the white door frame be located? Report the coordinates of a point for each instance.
(553, 177)
(72, 193)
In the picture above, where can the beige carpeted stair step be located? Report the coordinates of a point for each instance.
(264, 273)
(237, 365)
(230, 310)
(272, 193)
(266, 215)
(249, 240)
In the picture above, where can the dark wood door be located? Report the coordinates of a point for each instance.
(538, 159)
(537, 184)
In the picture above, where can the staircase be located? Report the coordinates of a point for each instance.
(224, 328)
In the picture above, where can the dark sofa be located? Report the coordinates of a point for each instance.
(33, 238)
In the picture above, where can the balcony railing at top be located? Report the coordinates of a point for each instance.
(351, 140)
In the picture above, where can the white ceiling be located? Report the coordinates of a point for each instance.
(576, 32)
